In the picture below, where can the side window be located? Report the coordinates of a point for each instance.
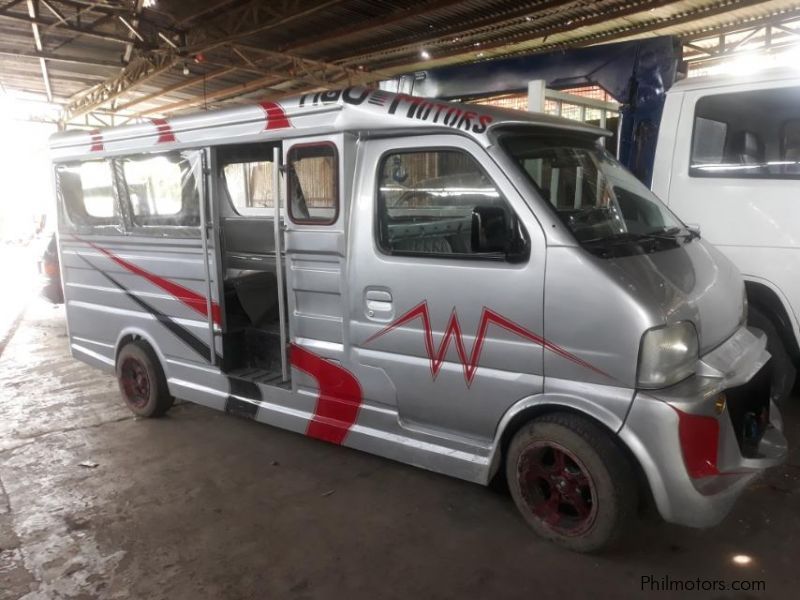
(163, 189)
(312, 183)
(247, 177)
(87, 193)
(750, 134)
(441, 203)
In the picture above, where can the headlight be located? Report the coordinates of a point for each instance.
(667, 355)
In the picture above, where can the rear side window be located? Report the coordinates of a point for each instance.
(313, 183)
(87, 193)
(163, 189)
(440, 203)
(751, 134)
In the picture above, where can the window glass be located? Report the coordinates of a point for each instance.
(249, 186)
(749, 134)
(87, 193)
(163, 189)
(312, 182)
(442, 203)
(247, 177)
(609, 211)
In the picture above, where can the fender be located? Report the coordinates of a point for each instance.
(787, 306)
(550, 402)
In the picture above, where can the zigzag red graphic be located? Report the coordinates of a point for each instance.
(453, 331)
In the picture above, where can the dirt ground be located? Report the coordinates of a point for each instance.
(97, 504)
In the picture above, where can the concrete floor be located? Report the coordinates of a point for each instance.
(203, 505)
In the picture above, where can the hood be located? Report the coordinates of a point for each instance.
(693, 282)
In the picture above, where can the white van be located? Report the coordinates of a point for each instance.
(728, 159)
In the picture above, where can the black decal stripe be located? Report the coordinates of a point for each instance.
(187, 337)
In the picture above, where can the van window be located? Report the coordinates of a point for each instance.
(247, 177)
(312, 183)
(163, 189)
(87, 193)
(427, 200)
(751, 134)
(608, 210)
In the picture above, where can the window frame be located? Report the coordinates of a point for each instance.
(336, 184)
(255, 212)
(483, 257)
(116, 224)
(694, 173)
(159, 229)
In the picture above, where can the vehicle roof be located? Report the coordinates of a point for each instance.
(351, 109)
(774, 75)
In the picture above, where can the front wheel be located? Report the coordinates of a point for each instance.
(571, 482)
(142, 381)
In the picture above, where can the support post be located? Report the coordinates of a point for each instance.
(276, 201)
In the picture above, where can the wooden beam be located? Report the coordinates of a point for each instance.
(178, 86)
(236, 90)
(33, 11)
(66, 58)
(109, 37)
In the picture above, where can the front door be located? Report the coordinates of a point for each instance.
(446, 281)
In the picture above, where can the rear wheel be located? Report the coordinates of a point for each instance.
(570, 482)
(142, 381)
(780, 367)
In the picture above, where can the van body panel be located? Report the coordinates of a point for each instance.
(451, 302)
(694, 282)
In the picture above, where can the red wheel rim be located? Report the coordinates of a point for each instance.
(557, 488)
(134, 382)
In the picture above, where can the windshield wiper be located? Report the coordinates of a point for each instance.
(672, 232)
(625, 238)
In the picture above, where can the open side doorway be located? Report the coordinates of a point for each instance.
(255, 329)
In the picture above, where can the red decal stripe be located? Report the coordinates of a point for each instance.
(339, 396)
(190, 298)
(699, 437)
(165, 134)
(453, 332)
(276, 118)
(97, 141)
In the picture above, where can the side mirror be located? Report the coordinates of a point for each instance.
(694, 228)
(492, 233)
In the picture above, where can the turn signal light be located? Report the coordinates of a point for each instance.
(720, 404)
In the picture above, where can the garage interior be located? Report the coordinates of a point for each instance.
(96, 503)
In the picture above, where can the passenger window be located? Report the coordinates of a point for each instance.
(163, 189)
(87, 193)
(247, 177)
(747, 135)
(312, 183)
(441, 203)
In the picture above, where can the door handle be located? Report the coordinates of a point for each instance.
(378, 304)
(379, 295)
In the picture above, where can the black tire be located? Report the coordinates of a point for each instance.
(781, 369)
(141, 380)
(596, 477)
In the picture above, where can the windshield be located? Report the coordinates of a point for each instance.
(602, 204)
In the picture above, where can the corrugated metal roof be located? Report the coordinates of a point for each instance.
(205, 53)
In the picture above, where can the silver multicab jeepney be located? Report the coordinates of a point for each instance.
(461, 288)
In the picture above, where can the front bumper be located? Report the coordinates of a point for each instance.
(660, 431)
